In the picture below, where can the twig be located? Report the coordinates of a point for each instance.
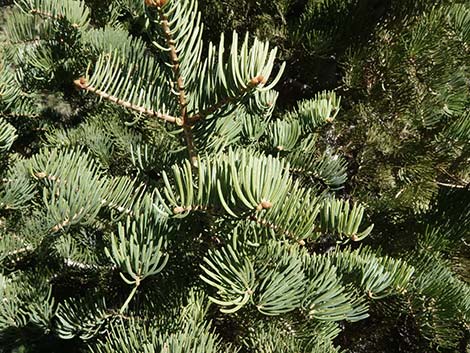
(34, 41)
(455, 186)
(19, 251)
(45, 14)
(276, 228)
(187, 129)
(82, 84)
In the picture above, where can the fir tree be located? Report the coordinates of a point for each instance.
(401, 68)
(151, 201)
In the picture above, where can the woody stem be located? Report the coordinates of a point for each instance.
(185, 121)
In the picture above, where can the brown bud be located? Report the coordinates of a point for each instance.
(255, 81)
(354, 237)
(329, 120)
(155, 3)
(264, 205)
(301, 242)
(81, 82)
(280, 148)
(40, 175)
(178, 210)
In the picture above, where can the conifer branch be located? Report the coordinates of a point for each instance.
(118, 208)
(51, 16)
(17, 252)
(19, 115)
(66, 222)
(459, 184)
(255, 81)
(276, 228)
(33, 41)
(68, 262)
(79, 265)
(180, 209)
(453, 186)
(175, 64)
(82, 84)
(45, 14)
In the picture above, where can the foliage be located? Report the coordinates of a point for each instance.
(401, 68)
(153, 199)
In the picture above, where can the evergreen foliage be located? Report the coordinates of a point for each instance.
(154, 200)
(401, 68)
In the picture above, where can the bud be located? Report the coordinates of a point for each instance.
(178, 210)
(155, 3)
(354, 237)
(255, 81)
(264, 205)
(40, 175)
(81, 82)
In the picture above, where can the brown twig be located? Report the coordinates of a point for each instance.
(82, 84)
(187, 129)
(33, 41)
(51, 16)
(276, 228)
(45, 14)
(183, 209)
